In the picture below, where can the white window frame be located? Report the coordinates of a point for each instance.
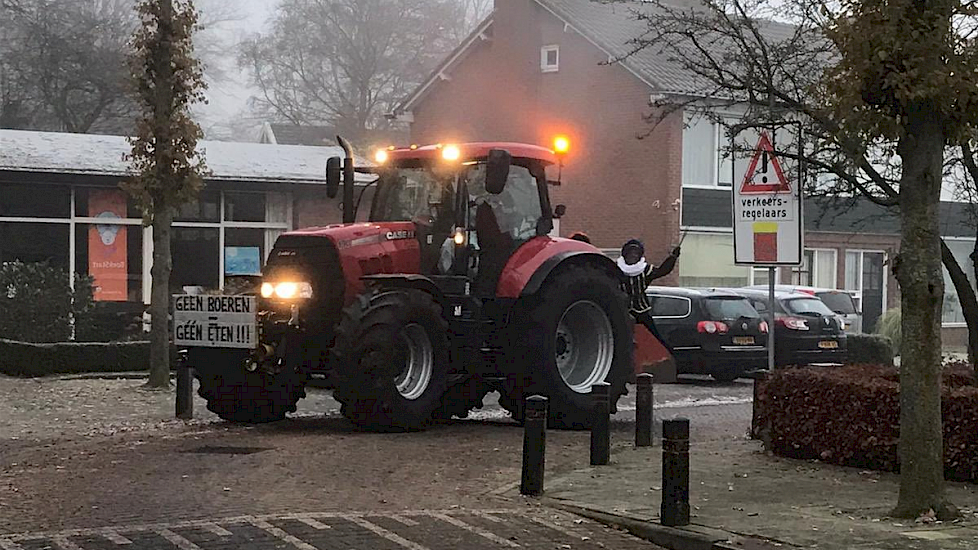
(718, 135)
(545, 65)
(963, 324)
(814, 265)
(859, 292)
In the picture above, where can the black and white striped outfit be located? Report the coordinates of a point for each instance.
(635, 285)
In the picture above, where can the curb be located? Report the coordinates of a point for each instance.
(132, 375)
(692, 537)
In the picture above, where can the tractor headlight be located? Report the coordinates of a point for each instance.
(286, 290)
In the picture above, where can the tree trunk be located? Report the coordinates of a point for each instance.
(973, 331)
(159, 352)
(918, 271)
(966, 296)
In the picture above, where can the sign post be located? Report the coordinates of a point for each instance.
(768, 220)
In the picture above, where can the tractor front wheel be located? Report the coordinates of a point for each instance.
(575, 333)
(237, 395)
(392, 357)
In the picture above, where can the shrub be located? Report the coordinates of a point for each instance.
(851, 416)
(889, 326)
(31, 359)
(869, 349)
(37, 303)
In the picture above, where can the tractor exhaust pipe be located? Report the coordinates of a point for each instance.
(349, 214)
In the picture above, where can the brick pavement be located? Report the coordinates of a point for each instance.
(529, 528)
(740, 491)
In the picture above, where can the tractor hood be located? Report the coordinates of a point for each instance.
(362, 249)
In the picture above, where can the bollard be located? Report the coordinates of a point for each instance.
(185, 391)
(600, 425)
(534, 445)
(644, 419)
(675, 472)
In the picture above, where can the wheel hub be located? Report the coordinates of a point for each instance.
(584, 345)
(419, 360)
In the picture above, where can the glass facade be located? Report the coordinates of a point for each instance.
(97, 231)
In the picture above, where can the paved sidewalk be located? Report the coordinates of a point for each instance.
(740, 493)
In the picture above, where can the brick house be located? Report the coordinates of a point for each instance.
(537, 68)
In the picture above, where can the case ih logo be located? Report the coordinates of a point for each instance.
(398, 235)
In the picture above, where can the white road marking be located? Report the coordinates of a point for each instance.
(406, 521)
(378, 530)
(555, 527)
(477, 530)
(9, 545)
(313, 523)
(112, 536)
(485, 515)
(177, 540)
(65, 544)
(271, 529)
(216, 529)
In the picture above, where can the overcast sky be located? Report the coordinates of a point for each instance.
(228, 98)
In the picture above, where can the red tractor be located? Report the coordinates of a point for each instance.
(452, 290)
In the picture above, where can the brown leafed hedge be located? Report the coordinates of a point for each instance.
(851, 416)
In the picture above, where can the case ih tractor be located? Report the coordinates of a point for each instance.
(452, 290)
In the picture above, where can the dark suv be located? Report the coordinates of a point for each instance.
(710, 332)
(806, 331)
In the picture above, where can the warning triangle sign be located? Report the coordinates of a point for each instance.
(768, 177)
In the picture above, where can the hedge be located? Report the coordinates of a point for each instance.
(31, 360)
(851, 416)
(869, 349)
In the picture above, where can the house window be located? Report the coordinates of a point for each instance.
(817, 269)
(550, 59)
(699, 152)
(961, 249)
(866, 275)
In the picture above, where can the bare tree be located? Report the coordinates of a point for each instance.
(347, 62)
(882, 88)
(63, 62)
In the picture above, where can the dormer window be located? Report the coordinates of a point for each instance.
(550, 59)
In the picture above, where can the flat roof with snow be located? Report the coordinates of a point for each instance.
(97, 155)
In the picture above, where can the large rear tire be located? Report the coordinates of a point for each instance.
(576, 332)
(392, 357)
(237, 395)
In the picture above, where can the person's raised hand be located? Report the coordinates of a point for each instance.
(675, 251)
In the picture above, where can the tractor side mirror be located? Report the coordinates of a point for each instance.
(497, 170)
(559, 211)
(333, 174)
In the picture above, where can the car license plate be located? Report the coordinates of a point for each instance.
(828, 344)
(743, 340)
(215, 321)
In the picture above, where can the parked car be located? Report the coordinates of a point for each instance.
(710, 331)
(842, 302)
(806, 331)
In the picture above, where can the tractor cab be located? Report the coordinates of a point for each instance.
(472, 205)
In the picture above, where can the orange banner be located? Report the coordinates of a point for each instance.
(107, 259)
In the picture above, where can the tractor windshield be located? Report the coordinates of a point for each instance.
(517, 209)
(411, 194)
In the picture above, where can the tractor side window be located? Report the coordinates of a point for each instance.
(411, 194)
(517, 209)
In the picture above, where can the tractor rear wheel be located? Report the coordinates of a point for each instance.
(237, 395)
(576, 332)
(392, 356)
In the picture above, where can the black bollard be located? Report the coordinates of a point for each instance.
(185, 391)
(675, 472)
(534, 445)
(643, 410)
(600, 425)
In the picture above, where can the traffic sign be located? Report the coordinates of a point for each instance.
(767, 212)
